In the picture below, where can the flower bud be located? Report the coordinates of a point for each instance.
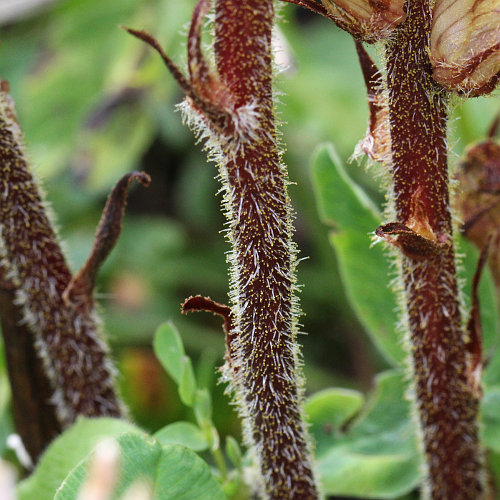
(478, 200)
(465, 45)
(366, 20)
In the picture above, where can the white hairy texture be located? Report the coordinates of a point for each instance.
(222, 150)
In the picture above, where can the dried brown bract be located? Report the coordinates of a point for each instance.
(478, 199)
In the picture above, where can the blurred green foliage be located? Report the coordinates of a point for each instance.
(94, 103)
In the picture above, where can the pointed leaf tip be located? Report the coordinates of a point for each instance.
(171, 66)
(168, 347)
(202, 88)
(79, 290)
(200, 303)
(198, 68)
(494, 127)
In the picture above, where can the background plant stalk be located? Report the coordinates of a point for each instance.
(66, 339)
(446, 403)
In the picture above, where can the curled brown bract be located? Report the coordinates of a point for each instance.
(203, 87)
(412, 244)
(79, 291)
(415, 238)
(199, 303)
(474, 345)
(377, 141)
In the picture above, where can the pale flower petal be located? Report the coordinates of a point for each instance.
(465, 45)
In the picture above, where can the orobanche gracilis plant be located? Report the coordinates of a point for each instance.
(430, 50)
(232, 108)
(57, 360)
(424, 59)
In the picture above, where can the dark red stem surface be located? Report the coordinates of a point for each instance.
(263, 253)
(445, 401)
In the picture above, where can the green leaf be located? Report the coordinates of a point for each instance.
(65, 452)
(376, 456)
(169, 350)
(203, 407)
(174, 471)
(341, 202)
(363, 268)
(369, 476)
(344, 205)
(187, 386)
(236, 488)
(117, 146)
(184, 433)
(490, 405)
(182, 475)
(233, 451)
(494, 466)
(330, 408)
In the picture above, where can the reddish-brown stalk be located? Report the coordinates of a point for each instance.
(233, 109)
(34, 415)
(262, 257)
(447, 403)
(66, 336)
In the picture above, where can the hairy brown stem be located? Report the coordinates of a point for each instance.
(233, 109)
(75, 358)
(263, 258)
(35, 416)
(445, 400)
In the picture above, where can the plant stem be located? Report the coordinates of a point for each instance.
(446, 403)
(219, 460)
(263, 260)
(233, 110)
(67, 340)
(34, 415)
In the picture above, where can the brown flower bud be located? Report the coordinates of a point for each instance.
(465, 45)
(367, 20)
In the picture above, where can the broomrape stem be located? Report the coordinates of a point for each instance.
(263, 258)
(446, 403)
(34, 416)
(233, 109)
(66, 338)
